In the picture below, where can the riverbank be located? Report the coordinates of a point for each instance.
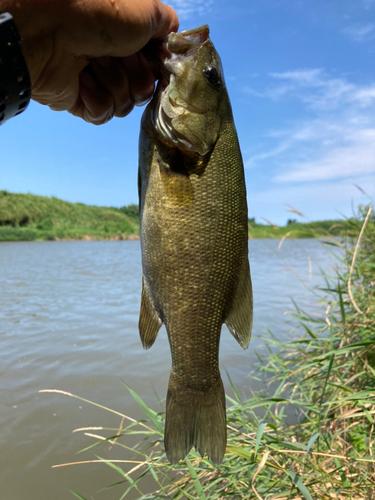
(28, 217)
(311, 435)
(69, 320)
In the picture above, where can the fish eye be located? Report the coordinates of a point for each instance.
(212, 74)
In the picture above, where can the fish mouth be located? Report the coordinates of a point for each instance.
(183, 45)
(175, 50)
(165, 53)
(176, 47)
(163, 113)
(185, 41)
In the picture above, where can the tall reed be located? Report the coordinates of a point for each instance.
(310, 435)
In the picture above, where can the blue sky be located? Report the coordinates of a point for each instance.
(301, 77)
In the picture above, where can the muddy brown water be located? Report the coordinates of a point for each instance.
(68, 321)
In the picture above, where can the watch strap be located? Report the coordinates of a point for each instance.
(15, 85)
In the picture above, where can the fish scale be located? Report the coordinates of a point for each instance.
(193, 215)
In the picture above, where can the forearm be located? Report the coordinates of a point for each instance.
(37, 23)
(34, 17)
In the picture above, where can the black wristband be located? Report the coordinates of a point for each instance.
(15, 86)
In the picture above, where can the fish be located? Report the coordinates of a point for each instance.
(194, 238)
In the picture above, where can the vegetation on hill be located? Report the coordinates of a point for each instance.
(310, 435)
(27, 217)
(294, 229)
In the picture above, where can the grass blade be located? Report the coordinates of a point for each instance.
(77, 495)
(194, 477)
(259, 437)
(298, 482)
(312, 441)
(149, 412)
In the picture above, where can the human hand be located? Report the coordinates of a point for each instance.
(84, 56)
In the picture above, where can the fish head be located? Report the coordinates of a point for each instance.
(191, 94)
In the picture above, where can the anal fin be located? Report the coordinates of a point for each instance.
(149, 320)
(240, 317)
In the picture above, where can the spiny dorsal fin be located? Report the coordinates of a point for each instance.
(149, 320)
(240, 318)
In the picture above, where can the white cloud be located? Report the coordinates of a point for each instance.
(188, 8)
(337, 142)
(334, 192)
(317, 89)
(316, 200)
(320, 91)
(310, 77)
(274, 93)
(360, 32)
(366, 96)
(356, 157)
(252, 161)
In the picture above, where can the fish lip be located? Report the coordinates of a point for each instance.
(182, 41)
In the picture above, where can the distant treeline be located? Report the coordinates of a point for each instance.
(130, 210)
(28, 217)
(295, 229)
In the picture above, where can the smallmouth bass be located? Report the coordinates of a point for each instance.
(194, 238)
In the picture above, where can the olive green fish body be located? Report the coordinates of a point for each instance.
(195, 268)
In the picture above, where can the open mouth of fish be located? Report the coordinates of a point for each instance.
(175, 52)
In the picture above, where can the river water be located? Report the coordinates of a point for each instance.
(68, 321)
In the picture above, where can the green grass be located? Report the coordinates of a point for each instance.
(316, 229)
(18, 234)
(30, 217)
(27, 217)
(310, 434)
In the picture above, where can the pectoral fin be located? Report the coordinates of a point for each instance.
(149, 320)
(240, 318)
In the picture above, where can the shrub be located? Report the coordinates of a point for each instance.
(17, 234)
(44, 224)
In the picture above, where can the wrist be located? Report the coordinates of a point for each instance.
(35, 21)
(15, 86)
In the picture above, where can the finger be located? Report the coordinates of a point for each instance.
(113, 77)
(166, 21)
(94, 104)
(141, 78)
(117, 28)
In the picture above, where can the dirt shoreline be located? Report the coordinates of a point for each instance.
(87, 237)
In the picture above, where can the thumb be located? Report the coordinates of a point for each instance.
(166, 21)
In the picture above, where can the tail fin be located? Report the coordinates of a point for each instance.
(195, 418)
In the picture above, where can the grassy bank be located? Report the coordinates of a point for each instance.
(310, 435)
(294, 229)
(27, 217)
